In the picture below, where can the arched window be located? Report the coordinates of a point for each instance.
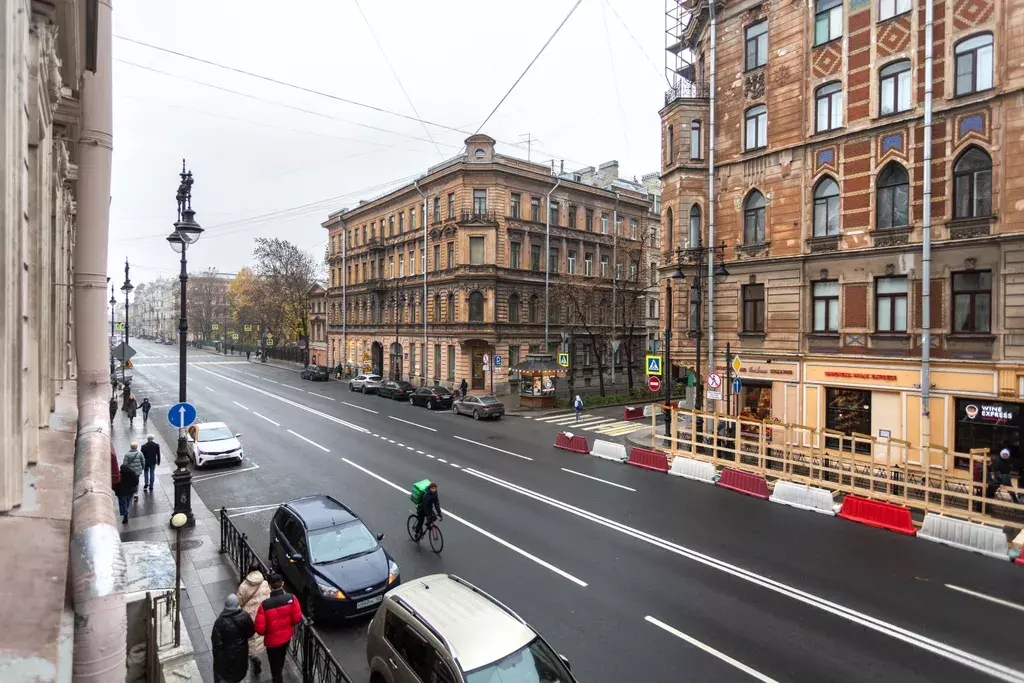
(894, 88)
(753, 218)
(669, 241)
(972, 184)
(513, 308)
(476, 307)
(828, 104)
(756, 125)
(695, 140)
(451, 308)
(694, 227)
(671, 151)
(893, 197)
(532, 312)
(826, 207)
(973, 64)
(437, 308)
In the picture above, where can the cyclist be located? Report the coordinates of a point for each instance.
(429, 502)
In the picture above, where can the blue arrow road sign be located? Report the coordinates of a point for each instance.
(182, 415)
(736, 385)
(497, 361)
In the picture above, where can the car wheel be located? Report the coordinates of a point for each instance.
(272, 557)
(350, 387)
(455, 410)
(476, 414)
(309, 606)
(430, 405)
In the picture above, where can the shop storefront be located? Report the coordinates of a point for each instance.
(986, 424)
(848, 411)
(755, 401)
(763, 395)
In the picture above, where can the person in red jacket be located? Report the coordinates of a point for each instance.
(276, 619)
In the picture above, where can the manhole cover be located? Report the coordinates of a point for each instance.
(190, 544)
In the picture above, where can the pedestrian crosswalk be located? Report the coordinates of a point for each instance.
(599, 424)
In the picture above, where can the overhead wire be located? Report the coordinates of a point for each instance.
(615, 77)
(661, 72)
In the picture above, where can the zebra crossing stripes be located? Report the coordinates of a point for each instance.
(607, 426)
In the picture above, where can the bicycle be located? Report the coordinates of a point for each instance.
(432, 531)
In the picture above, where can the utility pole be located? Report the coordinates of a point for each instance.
(529, 144)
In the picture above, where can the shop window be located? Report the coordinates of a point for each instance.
(972, 301)
(756, 401)
(826, 306)
(848, 411)
(891, 304)
(986, 424)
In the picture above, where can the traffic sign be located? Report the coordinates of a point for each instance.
(714, 380)
(182, 415)
(714, 395)
(270, 342)
(653, 365)
(737, 385)
(487, 368)
(497, 361)
(214, 326)
(234, 335)
(487, 358)
(563, 360)
(653, 383)
(247, 328)
(122, 352)
(269, 335)
(736, 364)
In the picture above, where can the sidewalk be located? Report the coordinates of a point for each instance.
(207, 575)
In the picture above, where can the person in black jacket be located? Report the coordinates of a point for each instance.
(125, 489)
(151, 453)
(230, 642)
(429, 502)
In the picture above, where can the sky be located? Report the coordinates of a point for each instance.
(273, 160)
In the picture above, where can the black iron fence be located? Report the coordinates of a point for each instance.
(311, 656)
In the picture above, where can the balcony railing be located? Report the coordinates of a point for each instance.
(688, 90)
(479, 216)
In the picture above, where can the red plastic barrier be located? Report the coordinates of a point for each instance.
(648, 459)
(631, 413)
(878, 514)
(576, 443)
(744, 482)
(1019, 560)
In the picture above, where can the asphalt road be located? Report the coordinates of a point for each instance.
(633, 575)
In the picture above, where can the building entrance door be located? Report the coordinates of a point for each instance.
(477, 380)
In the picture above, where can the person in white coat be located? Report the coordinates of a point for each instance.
(251, 593)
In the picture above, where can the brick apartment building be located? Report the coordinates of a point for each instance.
(485, 215)
(818, 155)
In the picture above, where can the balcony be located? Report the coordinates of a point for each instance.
(688, 90)
(479, 216)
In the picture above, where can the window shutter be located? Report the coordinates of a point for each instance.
(855, 306)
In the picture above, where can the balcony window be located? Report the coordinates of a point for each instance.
(894, 88)
(826, 305)
(756, 45)
(756, 127)
(972, 301)
(828, 21)
(974, 64)
(476, 251)
(826, 207)
(972, 185)
(893, 197)
(535, 209)
(754, 218)
(480, 202)
(515, 204)
(513, 255)
(753, 308)
(535, 258)
(891, 304)
(828, 104)
(887, 9)
(476, 307)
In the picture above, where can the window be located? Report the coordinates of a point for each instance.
(480, 202)
(513, 256)
(437, 308)
(972, 185)
(652, 308)
(669, 229)
(826, 207)
(604, 223)
(412, 319)
(604, 266)
(476, 307)
(891, 304)
(451, 308)
(572, 262)
(476, 251)
(670, 151)
(972, 301)
(451, 205)
(535, 258)
(828, 103)
(756, 119)
(756, 50)
(588, 264)
(401, 222)
(825, 297)
(572, 216)
(634, 271)
(437, 209)
(848, 411)
(535, 209)
(553, 260)
(694, 227)
(513, 308)
(391, 226)
(401, 265)
(589, 220)
(890, 8)
(695, 140)
(753, 219)
(412, 218)
(893, 197)
(632, 228)
(753, 308)
(515, 204)
(828, 21)
(451, 363)
(618, 225)
(974, 64)
(894, 88)
(391, 267)
(451, 255)
(437, 257)
(553, 212)
(532, 312)
(437, 361)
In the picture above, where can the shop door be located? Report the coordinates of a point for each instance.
(477, 374)
(848, 411)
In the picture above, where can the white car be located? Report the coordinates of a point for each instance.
(213, 442)
(366, 383)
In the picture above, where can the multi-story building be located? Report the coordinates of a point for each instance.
(209, 312)
(819, 201)
(317, 322)
(483, 216)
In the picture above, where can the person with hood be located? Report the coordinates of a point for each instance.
(275, 621)
(113, 409)
(126, 487)
(146, 405)
(228, 639)
(151, 454)
(577, 405)
(135, 460)
(251, 593)
(130, 407)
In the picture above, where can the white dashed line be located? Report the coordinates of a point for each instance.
(492, 447)
(271, 380)
(240, 405)
(353, 405)
(289, 386)
(320, 395)
(420, 452)
(429, 455)
(412, 423)
(982, 596)
(390, 440)
(276, 424)
(603, 481)
(325, 450)
(401, 445)
(454, 465)
(711, 651)
(442, 460)
(207, 388)
(409, 448)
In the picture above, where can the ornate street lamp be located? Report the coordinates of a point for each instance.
(127, 288)
(113, 304)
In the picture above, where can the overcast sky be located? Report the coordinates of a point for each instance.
(263, 168)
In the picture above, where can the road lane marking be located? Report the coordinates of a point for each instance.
(603, 481)
(442, 460)
(998, 601)
(474, 527)
(240, 405)
(986, 666)
(276, 424)
(261, 508)
(353, 405)
(249, 507)
(454, 465)
(376, 434)
(553, 417)
(270, 380)
(420, 452)
(409, 448)
(491, 447)
(429, 455)
(711, 651)
(412, 423)
(198, 478)
(310, 441)
(388, 440)
(320, 395)
(207, 388)
(401, 445)
(289, 386)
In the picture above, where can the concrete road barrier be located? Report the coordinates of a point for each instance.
(803, 497)
(609, 450)
(698, 470)
(959, 533)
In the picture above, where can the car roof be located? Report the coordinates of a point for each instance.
(208, 425)
(320, 511)
(478, 629)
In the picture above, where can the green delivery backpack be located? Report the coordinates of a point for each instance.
(417, 491)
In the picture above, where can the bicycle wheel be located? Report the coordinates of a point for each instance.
(436, 539)
(410, 526)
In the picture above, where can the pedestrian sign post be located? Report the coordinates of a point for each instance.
(182, 415)
(714, 395)
(487, 358)
(654, 365)
(563, 360)
(214, 327)
(497, 361)
(247, 328)
(714, 380)
(653, 383)
(234, 335)
(737, 385)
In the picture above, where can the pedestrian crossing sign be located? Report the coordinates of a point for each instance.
(215, 326)
(654, 365)
(234, 335)
(248, 328)
(563, 360)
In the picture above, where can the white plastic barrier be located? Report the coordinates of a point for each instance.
(609, 450)
(959, 533)
(698, 470)
(803, 497)
(649, 410)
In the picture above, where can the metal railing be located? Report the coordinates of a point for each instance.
(311, 656)
(690, 90)
(154, 641)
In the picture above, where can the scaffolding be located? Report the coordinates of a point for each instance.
(683, 73)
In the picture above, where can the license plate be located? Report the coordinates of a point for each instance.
(372, 601)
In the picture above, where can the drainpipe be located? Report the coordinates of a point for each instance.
(423, 217)
(97, 566)
(926, 242)
(344, 291)
(547, 265)
(615, 275)
(711, 190)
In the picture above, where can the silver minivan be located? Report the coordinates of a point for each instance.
(443, 628)
(365, 383)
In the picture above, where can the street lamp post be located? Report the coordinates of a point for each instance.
(700, 256)
(127, 288)
(395, 359)
(186, 233)
(178, 520)
(667, 362)
(113, 305)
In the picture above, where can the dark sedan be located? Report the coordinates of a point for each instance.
(334, 563)
(432, 397)
(479, 407)
(317, 373)
(400, 391)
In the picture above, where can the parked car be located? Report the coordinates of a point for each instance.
(317, 373)
(468, 637)
(334, 562)
(365, 383)
(212, 442)
(400, 391)
(432, 397)
(479, 407)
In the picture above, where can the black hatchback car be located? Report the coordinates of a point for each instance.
(317, 373)
(432, 397)
(335, 564)
(400, 391)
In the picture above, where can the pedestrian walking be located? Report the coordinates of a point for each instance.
(999, 474)
(463, 387)
(247, 353)
(577, 405)
(130, 409)
(151, 455)
(146, 406)
(229, 642)
(275, 621)
(134, 459)
(251, 593)
(126, 487)
(113, 409)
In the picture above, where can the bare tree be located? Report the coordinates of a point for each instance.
(588, 314)
(202, 301)
(633, 287)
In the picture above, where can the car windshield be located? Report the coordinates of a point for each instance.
(340, 542)
(215, 434)
(373, 378)
(533, 663)
(488, 399)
